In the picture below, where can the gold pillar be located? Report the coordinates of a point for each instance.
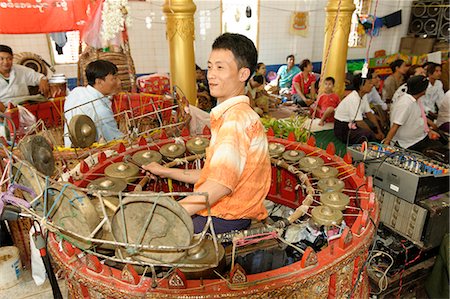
(180, 35)
(334, 64)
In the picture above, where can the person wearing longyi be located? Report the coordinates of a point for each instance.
(94, 100)
(409, 128)
(237, 173)
(15, 79)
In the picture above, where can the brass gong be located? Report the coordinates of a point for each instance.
(204, 253)
(330, 185)
(169, 224)
(82, 131)
(327, 216)
(36, 150)
(325, 172)
(309, 163)
(122, 170)
(74, 212)
(108, 184)
(276, 149)
(293, 155)
(335, 200)
(146, 157)
(197, 145)
(172, 150)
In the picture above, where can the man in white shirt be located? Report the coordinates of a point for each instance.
(15, 79)
(94, 100)
(435, 90)
(349, 125)
(409, 127)
(443, 118)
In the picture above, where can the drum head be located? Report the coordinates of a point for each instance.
(82, 131)
(169, 225)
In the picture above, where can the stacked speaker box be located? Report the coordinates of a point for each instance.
(430, 18)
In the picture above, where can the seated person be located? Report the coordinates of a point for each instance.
(393, 82)
(435, 90)
(379, 108)
(409, 127)
(204, 99)
(15, 79)
(94, 100)
(443, 117)
(327, 102)
(349, 126)
(303, 85)
(237, 172)
(414, 70)
(285, 74)
(256, 98)
(261, 70)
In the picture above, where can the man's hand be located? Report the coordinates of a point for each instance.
(433, 135)
(43, 86)
(156, 169)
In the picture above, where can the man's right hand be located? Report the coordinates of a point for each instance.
(156, 169)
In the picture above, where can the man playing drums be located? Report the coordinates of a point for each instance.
(237, 172)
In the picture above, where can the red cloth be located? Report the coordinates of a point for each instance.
(306, 85)
(326, 100)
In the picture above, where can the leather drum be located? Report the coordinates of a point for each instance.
(172, 150)
(146, 157)
(276, 149)
(327, 216)
(330, 185)
(309, 163)
(335, 200)
(168, 225)
(197, 145)
(121, 170)
(325, 172)
(293, 156)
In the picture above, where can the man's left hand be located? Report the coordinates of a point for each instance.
(43, 86)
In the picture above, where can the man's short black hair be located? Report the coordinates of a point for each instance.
(395, 64)
(197, 68)
(431, 68)
(330, 79)
(290, 56)
(242, 47)
(99, 69)
(6, 49)
(304, 64)
(359, 81)
(258, 78)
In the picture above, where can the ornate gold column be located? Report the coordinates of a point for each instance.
(180, 35)
(334, 64)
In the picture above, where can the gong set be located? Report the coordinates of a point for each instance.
(333, 201)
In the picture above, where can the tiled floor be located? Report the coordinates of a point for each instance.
(26, 288)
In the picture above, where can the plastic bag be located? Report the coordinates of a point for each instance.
(37, 265)
(26, 120)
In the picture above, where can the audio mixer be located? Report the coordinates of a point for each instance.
(405, 174)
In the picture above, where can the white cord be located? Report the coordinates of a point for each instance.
(383, 282)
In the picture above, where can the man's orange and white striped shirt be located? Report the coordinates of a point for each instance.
(238, 159)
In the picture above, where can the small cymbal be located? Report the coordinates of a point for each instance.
(330, 185)
(197, 145)
(108, 184)
(147, 156)
(276, 149)
(335, 200)
(309, 163)
(293, 155)
(82, 131)
(37, 150)
(325, 215)
(122, 170)
(324, 172)
(172, 150)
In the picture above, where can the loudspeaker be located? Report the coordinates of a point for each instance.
(430, 18)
